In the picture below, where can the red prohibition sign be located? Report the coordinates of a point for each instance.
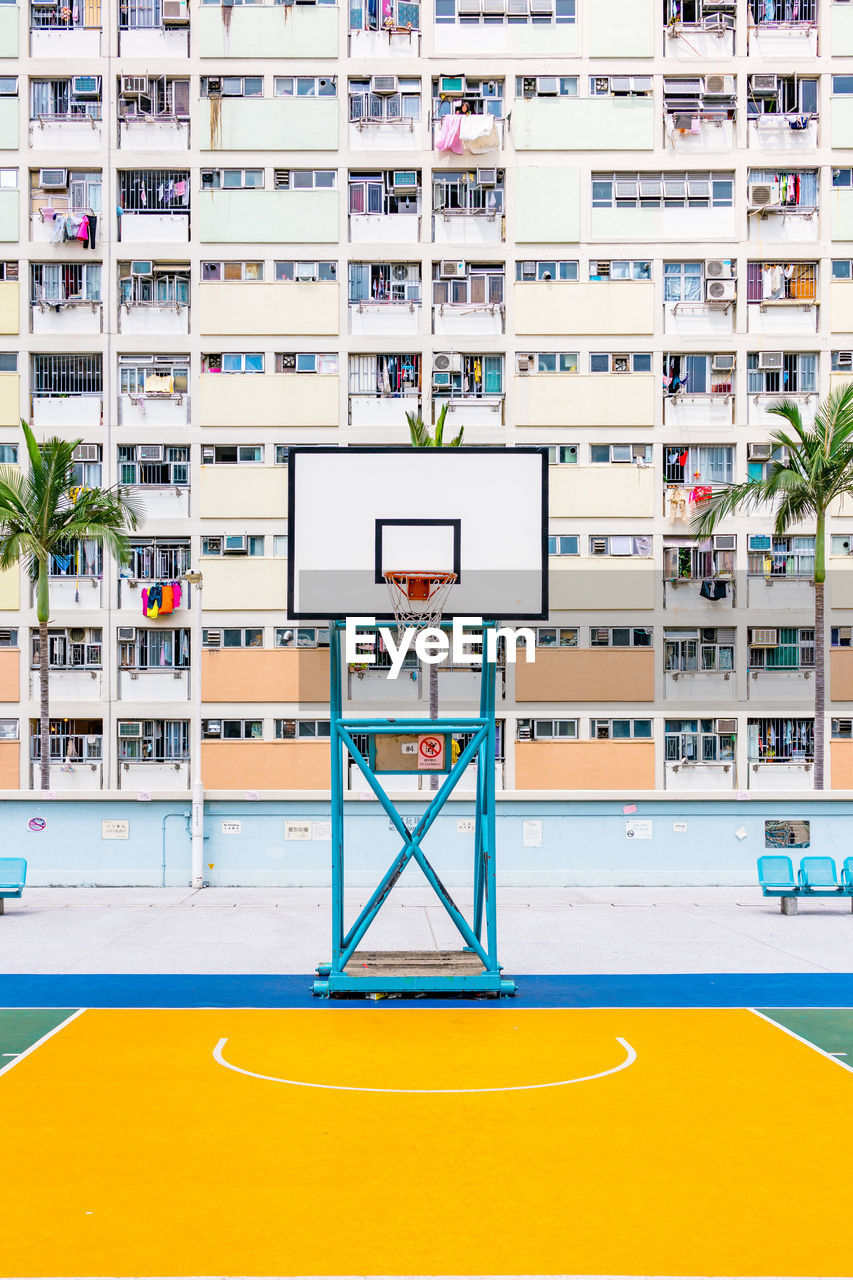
(430, 747)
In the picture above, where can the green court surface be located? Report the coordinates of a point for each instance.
(20, 1029)
(829, 1029)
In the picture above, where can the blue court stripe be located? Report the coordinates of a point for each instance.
(293, 991)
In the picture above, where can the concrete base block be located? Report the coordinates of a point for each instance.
(790, 906)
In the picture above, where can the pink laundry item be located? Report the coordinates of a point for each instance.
(176, 595)
(83, 229)
(145, 602)
(448, 138)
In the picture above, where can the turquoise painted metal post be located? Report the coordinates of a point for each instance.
(489, 810)
(336, 713)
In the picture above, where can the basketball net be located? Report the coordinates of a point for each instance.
(417, 596)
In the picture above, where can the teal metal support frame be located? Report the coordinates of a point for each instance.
(333, 979)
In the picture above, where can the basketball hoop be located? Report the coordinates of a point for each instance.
(417, 596)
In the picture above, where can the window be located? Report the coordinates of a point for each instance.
(464, 95)
(842, 362)
(231, 179)
(698, 464)
(620, 544)
(155, 648)
(67, 375)
(8, 361)
(154, 284)
(153, 559)
(620, 728)
(286, 729)
(620, 637)
(68, 740)
(385, 375)
(8, 271)
(8, 179)
(301, 637)
(253, 545)
(463, 195)
(245, 271)
(390, 16)
(775, 371)
(76, 559)
(620, 86)
(760, 469)
(481, 286)
(547, 362)
(86, 468)
(306, 271)
(56, 99)
(792, 650)
(402, 105)
(780, 739)
(8, 730)
(531, 270)
(772, 556)
(155, 741)
(232, 87)
(687, 190)
(842, 177)
(8, 86)
(562, 544)
(8, 455)
(698, 375)
(242, 637)
(543, 13)
(783, 13)
(153, 96)
(841, 269)
(699, 649)
(385, 282)
(279, 545)
(605, 362)
(841, 728)
(155, 466)
(304, 179)
(393, 191)
(682, 282)
(556, 637)
(768, 282)
(233, 362)
(713, 558)
(475, 376)
(546, 730)
(56, 284)
(230, 454)
(793, 95)
(620, 453)
(153, 376)
(305, 86)
(697, 742)
(306, 362)
(789, 189)
(154, 191)
(563, 454)
(620, 269)
(840, 637)
(69, 647)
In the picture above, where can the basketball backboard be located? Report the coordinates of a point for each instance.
(356, 513)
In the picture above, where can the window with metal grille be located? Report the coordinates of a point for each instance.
(156, 648)
(67, 375)
(153, 559)
(689, 189)
(697, 742)
(780, 738)
(56, 284)
(157, 742)
(154, 191)
(768, 282)
(69, 647)
(385, 375)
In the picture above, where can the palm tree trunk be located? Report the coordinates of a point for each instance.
(43, 612)
(819, 652)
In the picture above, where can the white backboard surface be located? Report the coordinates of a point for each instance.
(354, 513)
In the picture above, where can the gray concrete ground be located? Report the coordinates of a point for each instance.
(636, 930)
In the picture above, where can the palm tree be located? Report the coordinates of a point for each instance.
(815, 469)
(42, 513)
(421, 439)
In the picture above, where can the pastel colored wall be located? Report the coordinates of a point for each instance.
(8, 124)
(245, 583)
(9, 30)
(10, 769)
(622, 28)
(10, 397)
(547, 204)
(593, 307)
(274, 31)
(268, 308)
(585, 766)
(840, 680)
(619, 490)
(265, 675)
(841, 30)
(10, 589)
(260, 124)
(10, 675)
(9, 306)
(592, 124)
(597, 583)
(267, 217)
(269, 399)
(253, 492)
(585, 399)
(587, 675)
(841, 306)
(266, 766)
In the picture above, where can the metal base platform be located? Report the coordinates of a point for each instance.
(412, 973)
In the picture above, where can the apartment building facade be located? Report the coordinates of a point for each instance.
(619, 228)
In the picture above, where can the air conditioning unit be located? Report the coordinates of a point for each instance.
(720, 290)
(718, 269)
(212, 638)
(763, 85)
(126, 633)
(523, 731)
(53, 179)
(759, 452)
(771, 360)
(404, 180)
(447, 362)
(44, 4)
(384, 84)
(727, 726)
(212, 728)
(175, 11)
(494, 6)
(451, 86)
(719, 86)
(542, 6)
(759, 542)
(523, 364)
(763, 195)
(86, 86)
(468, 7)
(135, 86)
(130, 728)
(516, 8)
(724, 542)
(844, 359)
(764, 638)
(142, 267)
(547, 86)
(76, 634)
(86, 453)
(235, 544)
(722, 364)
(448, 270)
(149, 452)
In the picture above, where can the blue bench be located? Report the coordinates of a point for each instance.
(13, 877)
(816, 878)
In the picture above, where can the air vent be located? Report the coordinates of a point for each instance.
(722, 364)
(771, 360)
(212, 638)
(384, 84)
(53, 179)
(404, 180)
(764, 638)
(130, 728)
(523, 364)
(727, 726)
(149, 452)
(126, 633)
(487, 177)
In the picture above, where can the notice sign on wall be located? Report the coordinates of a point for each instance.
(431, 751)
(531, 833)
(639, 829)
(115, 829)
(297, 830)
(231, 827)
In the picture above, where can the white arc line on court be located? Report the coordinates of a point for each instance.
(631, 1057)
(38, 1044)
(816, 1047)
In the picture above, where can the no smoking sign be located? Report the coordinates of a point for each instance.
(431, 751)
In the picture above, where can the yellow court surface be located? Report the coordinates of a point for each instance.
(132, 1150)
